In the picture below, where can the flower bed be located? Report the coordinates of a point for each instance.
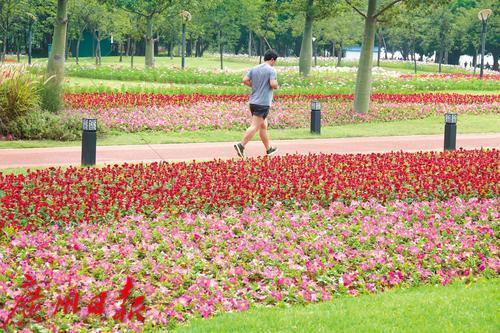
(109, 100)
(284, 114)
(451, 76)
(197, 264)
(75, 195)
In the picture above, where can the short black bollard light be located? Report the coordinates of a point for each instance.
(89, 140)
(450, 131)
(315, 117)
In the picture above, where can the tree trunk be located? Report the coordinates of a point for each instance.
(440, 58)
(30, 41)
(379, 34)
(4, 52)
(78, 48)
(132, 54)
(120, 50)
(414, 58)
(364, 75)
(171, 49)
(261, 49)
(197, 48)
(99, 53)
(56, 60)
(66, 50)
(221, 50)
(189, 48)
(334, 45)
(250, 43)
(128, 47)
(405, 51)
(18, 50)
(495, 61)
(339, 55)
(97, 37)
(93, 43)
(445, 61)
(474, 61)
(385, 48)
(315, 52)
(149, 43)
(306, 47)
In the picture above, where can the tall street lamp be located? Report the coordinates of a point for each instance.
(186, 17)
(483, 17)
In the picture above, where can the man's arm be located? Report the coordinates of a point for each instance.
(247, 81)
(274, 83)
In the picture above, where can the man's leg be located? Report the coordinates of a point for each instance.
(256, 125)
(263, 134)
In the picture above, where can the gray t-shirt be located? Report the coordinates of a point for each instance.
(262, 93)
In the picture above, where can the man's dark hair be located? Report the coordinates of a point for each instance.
(270, 54)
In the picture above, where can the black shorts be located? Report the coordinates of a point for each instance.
(259, 110)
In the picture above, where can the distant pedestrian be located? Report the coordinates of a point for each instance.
(263, 80)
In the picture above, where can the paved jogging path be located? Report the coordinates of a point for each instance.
(30, 157)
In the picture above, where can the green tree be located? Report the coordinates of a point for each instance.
(341, 31)
(364, 75)
(8, 11)
(225, 19)
(311, 10)
(148, 9)
(101, 23)
(81, 12)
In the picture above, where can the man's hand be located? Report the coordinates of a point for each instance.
(247, 81)
(274, 84)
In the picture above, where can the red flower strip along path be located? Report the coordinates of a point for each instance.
(73, 195)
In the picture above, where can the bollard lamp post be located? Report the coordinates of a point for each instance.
(450, 131)
(89, 139)
(315, 117)
(483, 17)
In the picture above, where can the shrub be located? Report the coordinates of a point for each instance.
(19, 94)
(51, 95)
(39, 125)
(23, 95)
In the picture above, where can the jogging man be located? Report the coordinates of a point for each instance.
(263, 80)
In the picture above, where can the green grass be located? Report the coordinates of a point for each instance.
(113, 76)
(241, 63)
(80, 85)
(454, 308)
(487, 123)
(21, 170)
(108, 79)
(207, 62)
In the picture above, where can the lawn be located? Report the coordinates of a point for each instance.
(485, 123)
(454, 308)
(212, 61)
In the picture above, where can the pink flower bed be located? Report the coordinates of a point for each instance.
(284, 114)
(198, 264)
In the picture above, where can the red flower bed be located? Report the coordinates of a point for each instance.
(453, 76)
(107, 100)
(73, 195)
